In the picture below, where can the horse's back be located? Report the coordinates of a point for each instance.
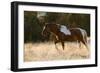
(74, 31)
(77, 30)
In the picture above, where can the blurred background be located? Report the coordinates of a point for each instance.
(34, 22)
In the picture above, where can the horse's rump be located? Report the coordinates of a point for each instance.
(78, 34)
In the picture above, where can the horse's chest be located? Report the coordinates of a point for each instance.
(55, 35)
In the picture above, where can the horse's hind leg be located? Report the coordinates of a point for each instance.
(85, 44)
(79, 43)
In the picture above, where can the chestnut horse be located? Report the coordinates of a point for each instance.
(77, 34)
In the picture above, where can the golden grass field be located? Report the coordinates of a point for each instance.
(45, 51)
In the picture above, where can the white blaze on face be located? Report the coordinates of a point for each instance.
(64, 30)
(43, 27)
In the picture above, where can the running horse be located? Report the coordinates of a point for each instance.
(72, 34)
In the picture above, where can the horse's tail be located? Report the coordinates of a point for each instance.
(85, 38)
(84, 35)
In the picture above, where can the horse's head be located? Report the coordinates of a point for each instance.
(45, 29)
(50, 28)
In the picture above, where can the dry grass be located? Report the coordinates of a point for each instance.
(47, 51)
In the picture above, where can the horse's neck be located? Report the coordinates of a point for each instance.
(54, 29)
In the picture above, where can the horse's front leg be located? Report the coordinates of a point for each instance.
(56, 41)
(62, 42)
